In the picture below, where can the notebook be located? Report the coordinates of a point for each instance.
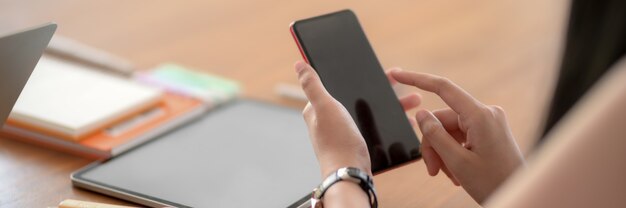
(171, 112)
(71, 101)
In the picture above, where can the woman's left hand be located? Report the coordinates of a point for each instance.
(335, 137)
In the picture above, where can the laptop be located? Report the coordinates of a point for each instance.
(19, 54)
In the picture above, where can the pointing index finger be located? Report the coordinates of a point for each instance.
(453, 95)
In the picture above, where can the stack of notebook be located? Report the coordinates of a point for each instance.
(77, 109)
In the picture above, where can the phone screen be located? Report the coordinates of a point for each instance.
(336, 46)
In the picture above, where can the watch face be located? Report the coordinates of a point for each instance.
(356, 173)
(344, 172)
(353, 172)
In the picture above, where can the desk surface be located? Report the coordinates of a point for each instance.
(505, 53)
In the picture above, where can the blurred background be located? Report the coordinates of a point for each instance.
(503, 52)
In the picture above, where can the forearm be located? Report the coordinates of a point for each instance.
(345, 194)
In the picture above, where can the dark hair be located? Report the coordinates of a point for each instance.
(596, 39)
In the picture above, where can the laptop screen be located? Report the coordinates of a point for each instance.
(19, 54)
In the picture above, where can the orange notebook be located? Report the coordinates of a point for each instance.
(172, 111)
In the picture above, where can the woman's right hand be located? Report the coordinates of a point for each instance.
(470, 142)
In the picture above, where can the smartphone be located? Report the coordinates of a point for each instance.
(336, 46)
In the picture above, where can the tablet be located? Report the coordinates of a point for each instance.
(244, 154)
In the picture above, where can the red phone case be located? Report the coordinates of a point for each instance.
(295, 38)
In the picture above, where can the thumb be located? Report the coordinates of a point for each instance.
(311, 84)
(444, 144)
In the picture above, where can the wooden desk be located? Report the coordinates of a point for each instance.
(502, 52)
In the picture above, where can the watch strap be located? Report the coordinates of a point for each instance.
(351, 174)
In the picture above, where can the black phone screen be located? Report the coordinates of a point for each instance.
(336, 46)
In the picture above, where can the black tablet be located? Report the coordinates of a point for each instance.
(244, 154)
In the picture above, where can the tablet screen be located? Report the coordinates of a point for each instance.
(245, 154)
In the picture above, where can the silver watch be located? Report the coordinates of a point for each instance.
(351, 174)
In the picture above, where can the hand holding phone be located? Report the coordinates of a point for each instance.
(328, 120)
(337, 48)
(476, 148)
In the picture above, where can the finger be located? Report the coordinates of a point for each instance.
(427, 154)
(448, 118)
(450, 175)
(311, 84)
(453, 95)
(392, 81)
(450, 121)
(410, 101)
(431, 159)
(443, 143)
